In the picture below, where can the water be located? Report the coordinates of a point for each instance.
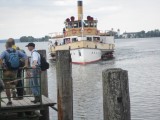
(140, 57)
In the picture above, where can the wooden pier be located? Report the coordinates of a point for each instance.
(8, 112)
(25, 109)
(25, 105)
(116, 100)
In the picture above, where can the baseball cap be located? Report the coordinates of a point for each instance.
(30, 44)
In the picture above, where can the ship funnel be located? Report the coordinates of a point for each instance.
(80, 10)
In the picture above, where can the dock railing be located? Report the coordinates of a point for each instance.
(24, 79)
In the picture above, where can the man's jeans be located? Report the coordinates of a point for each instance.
(35, 82)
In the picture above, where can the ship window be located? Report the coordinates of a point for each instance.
(75, 25)
(79, 52)
(89, 24)
(95, 24)
(80, 24)
(96, 39)
(89, 38)
(92, 24)
(66, 25)
(69, 25)
(74, 39)
(67, 40)
(86, 24)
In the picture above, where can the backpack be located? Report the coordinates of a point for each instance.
(13, 61)
(44, 64)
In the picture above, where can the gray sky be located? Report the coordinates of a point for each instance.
(40, 17)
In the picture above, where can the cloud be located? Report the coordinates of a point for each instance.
(102, 10)
(40, 17)
(63, 3)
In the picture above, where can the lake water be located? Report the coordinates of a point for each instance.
(140, 57)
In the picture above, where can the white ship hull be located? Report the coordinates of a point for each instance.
(84, 52)
(85, 56)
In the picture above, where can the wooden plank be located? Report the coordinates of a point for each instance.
(47, 99)
(14, 103)
(23, 103)
(31, 99)
(27, 100)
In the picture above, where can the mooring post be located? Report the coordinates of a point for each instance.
(27, 91)
(64, 85)
(116, 100)
(44, 89)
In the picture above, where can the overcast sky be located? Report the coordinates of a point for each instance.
(39, 17)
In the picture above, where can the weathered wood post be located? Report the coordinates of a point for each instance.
(64, 85)
(116, 100)
(27, 91)
(44, 88)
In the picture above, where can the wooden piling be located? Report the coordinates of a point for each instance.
(116, 100)
(64, 85)
(27, 91)
(44, 89)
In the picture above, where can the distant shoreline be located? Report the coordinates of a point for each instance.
(18, 41)
(137, 38)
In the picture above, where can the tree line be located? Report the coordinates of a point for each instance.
(32, 39)
(141, 34)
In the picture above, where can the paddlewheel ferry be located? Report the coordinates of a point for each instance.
(86, 43)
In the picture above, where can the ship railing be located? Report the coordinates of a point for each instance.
(56, 35)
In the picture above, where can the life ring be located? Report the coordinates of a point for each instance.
(89, 30)
(74, 31)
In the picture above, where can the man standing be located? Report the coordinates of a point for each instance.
(19, 86)
(11, 64)
(34, 72)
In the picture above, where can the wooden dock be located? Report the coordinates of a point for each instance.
(8, 112)
(25, 104)
(24, 109)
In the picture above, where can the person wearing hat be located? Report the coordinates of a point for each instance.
(34, 72)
